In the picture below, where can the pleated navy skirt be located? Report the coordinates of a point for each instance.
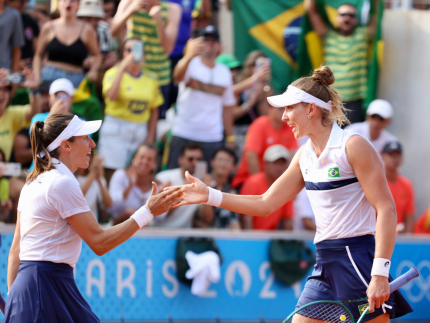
(46, 292)
(335, 278)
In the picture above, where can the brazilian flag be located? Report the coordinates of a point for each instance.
(311, 48)
(272, 27)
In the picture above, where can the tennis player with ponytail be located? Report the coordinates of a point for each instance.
(346, 185)
(54, 218)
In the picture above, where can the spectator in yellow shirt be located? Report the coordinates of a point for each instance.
(14, 118)
(132, 96)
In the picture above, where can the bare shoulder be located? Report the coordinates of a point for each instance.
(47, 29)
(360, 150)
(296, 159)
(358, 143)
(88, 28)
(299, 151)
(89, 35)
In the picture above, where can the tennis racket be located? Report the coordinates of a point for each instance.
(336, 311)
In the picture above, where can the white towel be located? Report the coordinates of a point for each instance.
(204, 270)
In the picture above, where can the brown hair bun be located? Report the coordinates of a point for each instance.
(323, 75)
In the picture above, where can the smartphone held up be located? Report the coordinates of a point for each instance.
(137, 50)
(10, 169)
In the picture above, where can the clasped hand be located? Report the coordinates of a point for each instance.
(195, 193)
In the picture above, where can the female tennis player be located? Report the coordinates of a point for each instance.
(346, 185)
(54, 218)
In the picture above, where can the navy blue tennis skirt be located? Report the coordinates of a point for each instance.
(46, 292)
(336, 279)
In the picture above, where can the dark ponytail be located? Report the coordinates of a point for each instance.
(42, 134)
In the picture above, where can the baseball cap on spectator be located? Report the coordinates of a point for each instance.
(63, 85)
(229, 60)
(207, 32)
(380, 107)
(391, 147)
(275, 152)
(91, 8)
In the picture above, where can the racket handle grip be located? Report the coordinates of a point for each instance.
(403, 279)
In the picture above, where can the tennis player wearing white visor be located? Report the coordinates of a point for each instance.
(53, 218)
(346, 185)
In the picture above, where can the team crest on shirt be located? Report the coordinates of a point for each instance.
(334, 172)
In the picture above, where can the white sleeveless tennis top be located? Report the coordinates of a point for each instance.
(341, 209)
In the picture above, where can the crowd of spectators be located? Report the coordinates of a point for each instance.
(172, 102)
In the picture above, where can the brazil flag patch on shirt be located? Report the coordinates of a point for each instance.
(362, 308)
(334, 172)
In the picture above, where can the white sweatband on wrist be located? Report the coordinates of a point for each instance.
(215, 197)
(381, 267)
(142, 216)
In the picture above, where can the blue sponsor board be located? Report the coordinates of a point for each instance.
(137, 282)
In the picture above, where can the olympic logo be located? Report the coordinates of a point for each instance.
(422, 282)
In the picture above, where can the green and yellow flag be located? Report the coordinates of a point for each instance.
(274, 28)
(310, 46)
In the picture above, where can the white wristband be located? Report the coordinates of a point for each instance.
(142, 216)
(215, 197)
(381, 267)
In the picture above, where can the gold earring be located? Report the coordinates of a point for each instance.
(309, 116)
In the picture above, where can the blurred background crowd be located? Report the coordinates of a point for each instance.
(173, 101)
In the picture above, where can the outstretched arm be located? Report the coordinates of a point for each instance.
(369, 170)
(284, 189)
(101, 241)
(317, 22)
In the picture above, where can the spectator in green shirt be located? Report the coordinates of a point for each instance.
(346, 52)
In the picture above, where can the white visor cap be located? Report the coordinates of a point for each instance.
(88, 128)
(381, 108)
(76, 127)
(293, 96)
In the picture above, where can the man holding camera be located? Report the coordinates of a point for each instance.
(206, 99)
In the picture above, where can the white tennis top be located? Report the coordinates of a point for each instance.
(45, 203)
(340, 207)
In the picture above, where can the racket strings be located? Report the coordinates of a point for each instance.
(325, 312)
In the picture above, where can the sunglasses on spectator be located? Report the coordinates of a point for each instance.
(377, 117)
(350, 15)
(191, 159)
(210, 39)
(225, 160)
